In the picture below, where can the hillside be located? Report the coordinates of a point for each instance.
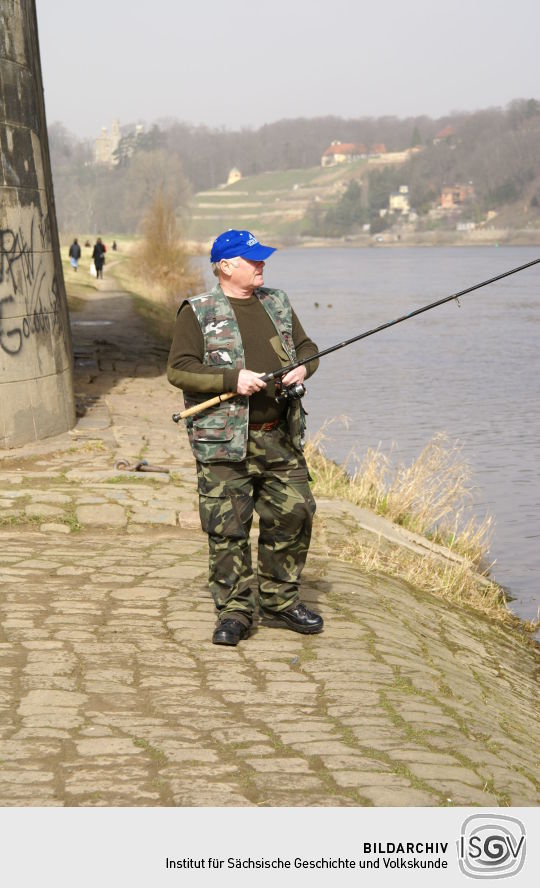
(479, 175)
(275, 203)
(489, 158)
(298, 206)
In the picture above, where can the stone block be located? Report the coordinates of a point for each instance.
(153, 516)
(103, 514)
(42, 510)
(52, 527)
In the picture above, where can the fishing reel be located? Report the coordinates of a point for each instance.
(287, 393)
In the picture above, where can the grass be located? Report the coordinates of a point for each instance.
(23, 520)
(80, 284)
(430, 497)
(460, 582)
(133, 478)
(156, 754)
(20, 520)
(278, 180)
(70, 520)
(283, 180)
(274, 203)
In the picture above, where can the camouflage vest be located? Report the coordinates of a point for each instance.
(221, 432)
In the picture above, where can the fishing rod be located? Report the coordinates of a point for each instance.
(297, 390)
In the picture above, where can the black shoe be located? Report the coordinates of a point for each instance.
(230, 632)
(298, 618)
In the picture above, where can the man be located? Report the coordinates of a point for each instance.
(248, 448)
(75, 254)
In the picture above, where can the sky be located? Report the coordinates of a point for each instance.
(237, 65)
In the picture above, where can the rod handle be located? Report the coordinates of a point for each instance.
(198, 408)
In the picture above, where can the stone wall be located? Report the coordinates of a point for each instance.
(36, 380)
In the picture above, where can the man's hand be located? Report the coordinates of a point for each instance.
(294, 376)
(249, 382)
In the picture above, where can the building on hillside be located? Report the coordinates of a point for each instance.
(348, 152)
(342, 152)
(453, 196)
(398, 202)
(234, 176)
(444, 135)
(106, 145)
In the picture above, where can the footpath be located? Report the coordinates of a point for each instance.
(111, 693)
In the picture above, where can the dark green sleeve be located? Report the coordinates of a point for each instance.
(186, 369)
(303, 345)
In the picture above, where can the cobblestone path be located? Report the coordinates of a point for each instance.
(111, 693)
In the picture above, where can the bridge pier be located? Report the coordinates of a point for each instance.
(36, 372)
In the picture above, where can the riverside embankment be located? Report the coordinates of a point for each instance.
(112, 693)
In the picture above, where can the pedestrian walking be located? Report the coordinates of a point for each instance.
(75, 254)
(98, 255)
(248, 449)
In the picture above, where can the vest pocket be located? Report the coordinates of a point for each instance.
(221, 354)
(277, 345)
(211, 428)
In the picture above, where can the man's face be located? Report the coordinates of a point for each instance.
(245, 273)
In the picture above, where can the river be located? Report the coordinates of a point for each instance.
(471, 371)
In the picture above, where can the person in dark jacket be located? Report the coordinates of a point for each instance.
(75, 254)
(98, 255)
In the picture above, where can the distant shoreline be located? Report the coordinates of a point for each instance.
(478, 238)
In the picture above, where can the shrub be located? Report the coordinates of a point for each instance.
(161, 258)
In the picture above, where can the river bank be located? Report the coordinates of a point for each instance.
(112, 691)
(400, 239)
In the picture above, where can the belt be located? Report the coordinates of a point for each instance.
(263, 426)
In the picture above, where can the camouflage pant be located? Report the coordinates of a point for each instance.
(273, 480)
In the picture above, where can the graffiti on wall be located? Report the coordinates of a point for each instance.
(29, 294)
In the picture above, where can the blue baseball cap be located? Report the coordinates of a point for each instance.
(239, 243)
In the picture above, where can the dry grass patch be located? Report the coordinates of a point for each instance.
(431, 497)
(458, 582)
(158, 270)
(161, 258)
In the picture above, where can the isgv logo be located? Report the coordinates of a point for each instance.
(491, 846)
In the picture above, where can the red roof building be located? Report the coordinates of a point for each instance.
(444, 134)
(453, 196)
(342, 152)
